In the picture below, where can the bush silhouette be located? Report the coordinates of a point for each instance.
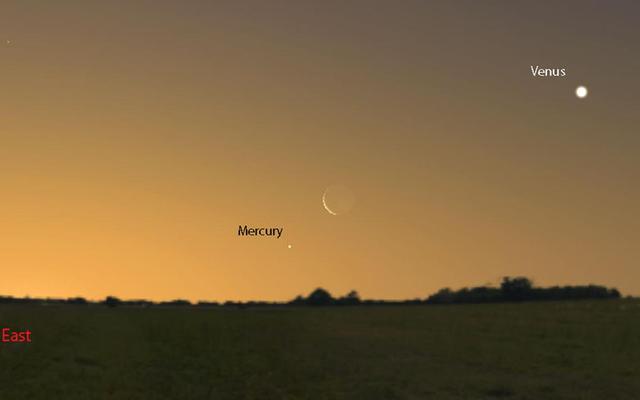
(298, 301)
(319, 297)
(78, 301)
(112, 301)
(516, 289)
(352, 298)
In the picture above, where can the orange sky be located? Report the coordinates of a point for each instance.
(136, 136)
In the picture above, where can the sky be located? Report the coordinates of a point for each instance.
(136, 136)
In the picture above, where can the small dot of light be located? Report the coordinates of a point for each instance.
(581, 92)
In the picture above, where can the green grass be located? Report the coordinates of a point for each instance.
(569, 350)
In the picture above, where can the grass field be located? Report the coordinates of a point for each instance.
(569, 350)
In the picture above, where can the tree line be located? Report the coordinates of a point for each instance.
(516, 289)
(520, 289)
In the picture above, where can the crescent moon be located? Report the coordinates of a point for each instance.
(324, 203)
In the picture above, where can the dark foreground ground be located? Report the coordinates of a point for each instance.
(570, 350)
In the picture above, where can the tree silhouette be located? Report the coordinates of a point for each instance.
(112, 301)
(516, 289)
(319, 297)
(351, 298)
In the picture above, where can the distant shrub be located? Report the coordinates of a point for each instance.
(298, 301)
(112, 301)
(208, 304)
(350, 299)
(319, 297)
(516, 289)
(443, 296)
(137, 303)
(175, 303)
(77, 301)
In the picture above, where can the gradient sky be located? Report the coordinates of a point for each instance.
(135, 136)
